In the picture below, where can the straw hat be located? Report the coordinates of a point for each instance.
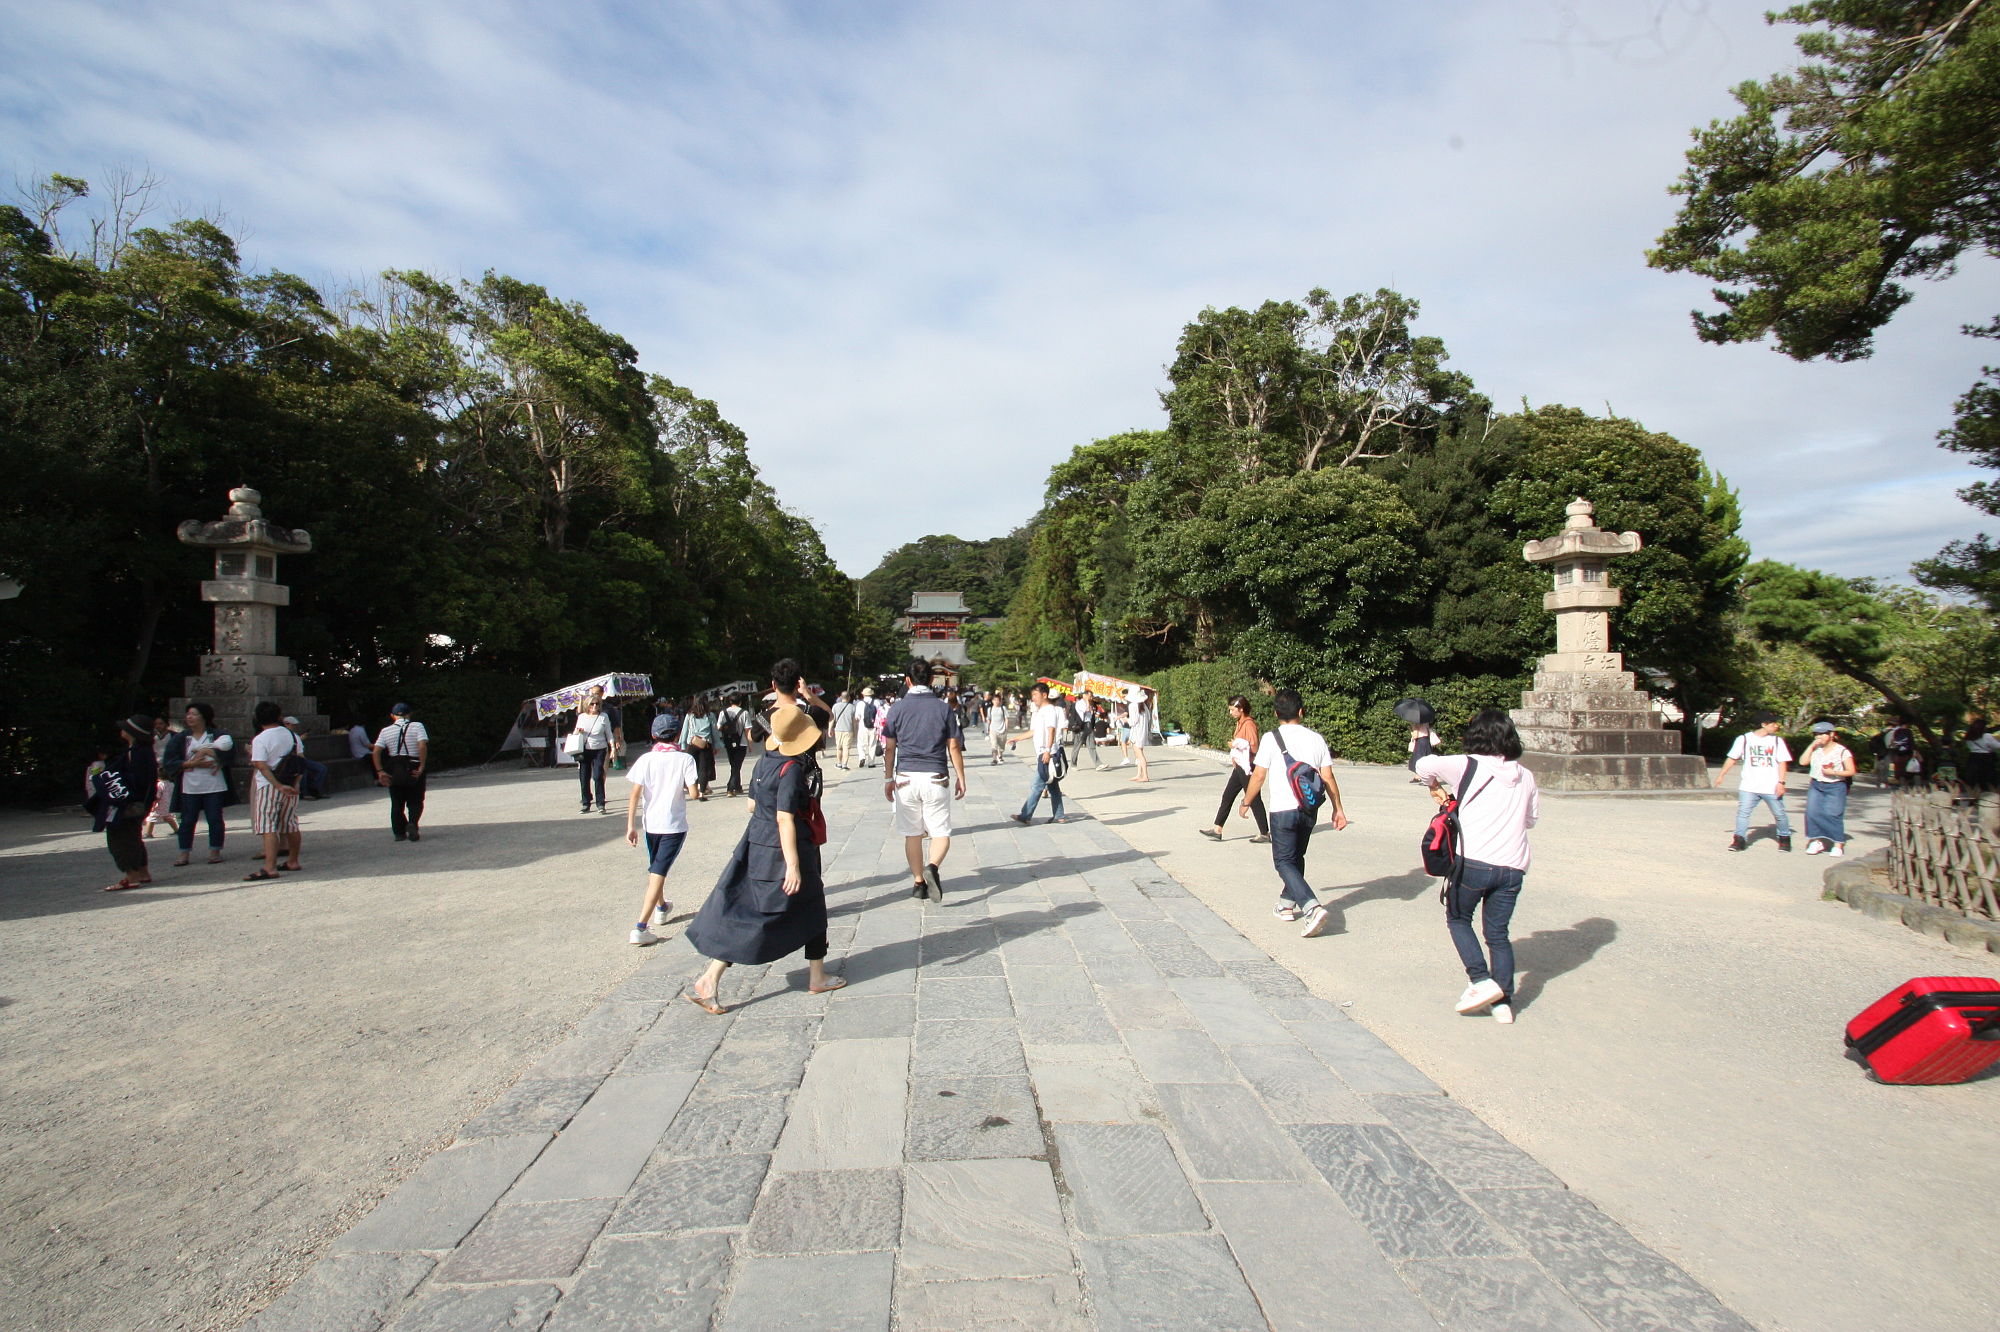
(793, 732)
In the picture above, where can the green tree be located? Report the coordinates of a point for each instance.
(1839, 622)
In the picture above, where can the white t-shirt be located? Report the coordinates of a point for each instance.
(1835, 755)
(596, 730)
(1305, 745)
(1761, 756)
(402, 744)
(271, 746)
(1048, 724)
(996, 717)
(206, 781)
(663, 777)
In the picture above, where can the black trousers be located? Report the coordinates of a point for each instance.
(815, 951)
(1238, 779)
(406, 805)
(122, 839)
(704, 766)
(590, 766)
(736, 753)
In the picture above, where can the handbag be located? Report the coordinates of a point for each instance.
(815, 817)
(574, 744)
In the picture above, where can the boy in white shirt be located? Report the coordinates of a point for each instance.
(1291, 825)
(1045, 724)
(1764, 758)
(662, 780)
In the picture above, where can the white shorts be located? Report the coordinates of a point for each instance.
(923, 805)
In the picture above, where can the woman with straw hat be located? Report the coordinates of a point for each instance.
(771, 901)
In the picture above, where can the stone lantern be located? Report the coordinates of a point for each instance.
(1586, 724)
(243, 667)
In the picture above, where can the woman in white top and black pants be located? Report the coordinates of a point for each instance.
(1501, 803)
(593, 754)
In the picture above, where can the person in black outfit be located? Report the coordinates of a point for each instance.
(120, 796)
(771, 899)
(736, 740)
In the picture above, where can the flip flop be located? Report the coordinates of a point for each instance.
(705, 1005)
(215, 860)
(832, 983)
(259, 877)
(121, 886)
(291, 868)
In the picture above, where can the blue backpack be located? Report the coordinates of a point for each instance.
(1307, 784)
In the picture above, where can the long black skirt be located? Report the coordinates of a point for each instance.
(749, 919)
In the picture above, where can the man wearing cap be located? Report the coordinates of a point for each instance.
(920, 738)
(402, 763)
(864, 728)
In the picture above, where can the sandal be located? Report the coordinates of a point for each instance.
(178, 864)
(704, 1004)
(121, 886)
(832, 983)
(215, 859)
(259, 877)
(290, 868)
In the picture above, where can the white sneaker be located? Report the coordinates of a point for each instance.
(660, 912)
(642, 935)
(1813, 848)
(1479, 994)
(1317, 920)
(1503, 1013)
(1833, 849)
(1285, 910)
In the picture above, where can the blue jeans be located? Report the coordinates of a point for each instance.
(209, 806)
(1291, 834)
(1042, 783)
(591, 763)
(1826, 811)
(316, 780)
(1747, 801)
(1493, 889)
(662, 850)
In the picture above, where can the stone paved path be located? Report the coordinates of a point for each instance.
(1072, 1096)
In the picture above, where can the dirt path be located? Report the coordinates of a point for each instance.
(201, 1083)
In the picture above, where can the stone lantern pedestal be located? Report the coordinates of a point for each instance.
(1587, 726)
(244, 667)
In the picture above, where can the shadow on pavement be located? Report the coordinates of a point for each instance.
(1402, 887)
(1546, 954)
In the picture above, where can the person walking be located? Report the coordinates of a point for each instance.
(1083, 733)
(274, 791)
(1292, 742)
(1242, 754)
(161, 810)
(662, 780)
(923, 749)
(591, 743)
(698, 743)
(770, 901)
(735, 728)
(1830, 769)
(996, 725)
(1982, 755)
(402, 757)
(1764, 759)
(121, 794)
(1501, 803)
(843, 730)
(1142, 732)
(1045, 726)
(864, 728)
(198, 766)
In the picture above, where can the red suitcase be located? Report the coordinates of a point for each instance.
(1931, 1030)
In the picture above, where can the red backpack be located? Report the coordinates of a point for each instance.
(1443, 844)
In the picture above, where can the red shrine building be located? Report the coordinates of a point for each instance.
(936, 625)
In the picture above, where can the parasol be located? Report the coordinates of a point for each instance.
(1416, 712)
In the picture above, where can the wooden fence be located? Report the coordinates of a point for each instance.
(1944, 848)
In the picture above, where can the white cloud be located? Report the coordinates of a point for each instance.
(970, 235)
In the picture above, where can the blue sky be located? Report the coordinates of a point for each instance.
(879, 232)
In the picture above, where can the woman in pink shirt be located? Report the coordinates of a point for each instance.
(1501, 803)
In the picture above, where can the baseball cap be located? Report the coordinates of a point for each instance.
(1821, 728)
(400, 710)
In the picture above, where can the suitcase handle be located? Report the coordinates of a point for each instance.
(1915, 1007)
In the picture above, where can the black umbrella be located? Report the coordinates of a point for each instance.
(1416, 712)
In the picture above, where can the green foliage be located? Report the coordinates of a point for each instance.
(494, 489)
(986, 573)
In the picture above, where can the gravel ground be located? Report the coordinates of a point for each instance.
(203, 1082)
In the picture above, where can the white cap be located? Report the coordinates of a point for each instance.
(291, 721)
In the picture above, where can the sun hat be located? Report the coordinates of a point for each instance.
(793, 732)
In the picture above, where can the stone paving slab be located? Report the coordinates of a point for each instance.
(1069, 1097)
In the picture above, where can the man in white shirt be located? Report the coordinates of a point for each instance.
(662, 780)
(402, 763)
(1764, 758)
(865, 714)
(1290, 741)
(1045, 725)
(274, 803)
(1083, 735)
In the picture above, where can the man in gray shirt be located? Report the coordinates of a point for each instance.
(923, 747)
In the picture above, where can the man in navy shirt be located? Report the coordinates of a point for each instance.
(922, 737)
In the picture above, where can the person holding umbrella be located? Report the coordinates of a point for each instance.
(1422, 719)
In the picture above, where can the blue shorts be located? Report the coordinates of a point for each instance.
(663, 849)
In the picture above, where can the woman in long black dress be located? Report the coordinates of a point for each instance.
(771, 900)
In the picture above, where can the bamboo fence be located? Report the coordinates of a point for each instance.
(1944, 848)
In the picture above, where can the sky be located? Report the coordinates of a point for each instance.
(896, 232)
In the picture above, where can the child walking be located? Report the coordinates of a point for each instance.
(662, 780)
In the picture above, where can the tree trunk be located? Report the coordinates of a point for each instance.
(152, 604)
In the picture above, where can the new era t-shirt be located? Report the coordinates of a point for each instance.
(1304, 745)
(663, 776)
(1761, 756)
